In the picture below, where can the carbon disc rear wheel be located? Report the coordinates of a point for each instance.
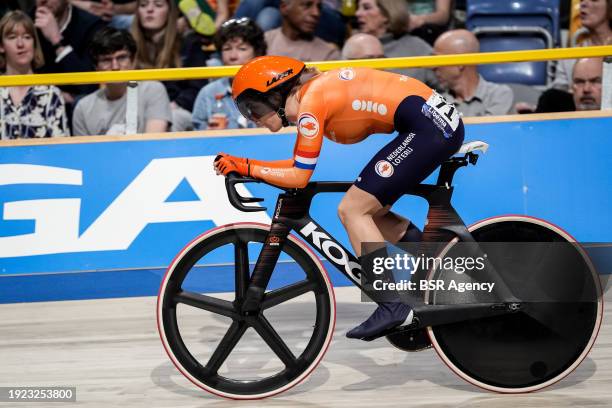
(545, 341)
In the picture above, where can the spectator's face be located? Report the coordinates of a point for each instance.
(586, 84)
(18, 47)
(236, 52)
(302, 15)
(370, 18)
(120, 60)
(448, 77)
(593, 13)
(153, 14)
(57, 7)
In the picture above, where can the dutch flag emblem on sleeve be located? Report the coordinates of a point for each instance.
(306, 160)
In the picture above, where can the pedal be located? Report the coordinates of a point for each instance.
(397, 329)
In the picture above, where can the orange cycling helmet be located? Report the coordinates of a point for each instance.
(263, 84)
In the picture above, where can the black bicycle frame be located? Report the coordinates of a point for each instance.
(443, 224)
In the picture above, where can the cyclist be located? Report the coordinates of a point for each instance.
(346, 106)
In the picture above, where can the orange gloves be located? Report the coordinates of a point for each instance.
(225, 164)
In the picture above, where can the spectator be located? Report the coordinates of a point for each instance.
(118, 13)
(154, 29)
(361, 46)
(429, 18)
(596, 20)
(469, 91)
(26, 111)
(104, 111)
(586, 83)
(386, 19)
(295, 38)
(159, 46)
(239, 41)
(267, 15)
(65, 33)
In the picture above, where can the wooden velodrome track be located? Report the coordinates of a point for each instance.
(111, 352)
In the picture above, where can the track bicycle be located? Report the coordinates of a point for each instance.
(540, 324)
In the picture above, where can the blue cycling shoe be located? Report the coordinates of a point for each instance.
(386, 316)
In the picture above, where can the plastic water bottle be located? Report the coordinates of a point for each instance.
(218, 118)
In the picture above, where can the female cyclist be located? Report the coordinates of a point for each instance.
(346, 106)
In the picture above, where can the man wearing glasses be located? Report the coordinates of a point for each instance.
(103, 112)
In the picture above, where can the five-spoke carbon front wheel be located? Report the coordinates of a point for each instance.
(233, 353)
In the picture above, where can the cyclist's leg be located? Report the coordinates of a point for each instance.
(356, 211)
(407, 160)
(395, 228)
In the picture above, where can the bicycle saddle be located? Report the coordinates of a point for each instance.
(471, 146)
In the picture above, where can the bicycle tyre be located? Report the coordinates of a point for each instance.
(514, 353)
(171, 294)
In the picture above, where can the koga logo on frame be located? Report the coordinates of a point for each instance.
(325, 244)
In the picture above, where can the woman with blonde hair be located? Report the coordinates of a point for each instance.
(26, 111)
(159, 46)
(388, 20)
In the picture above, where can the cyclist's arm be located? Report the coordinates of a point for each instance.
(296, 172)
(280, 173)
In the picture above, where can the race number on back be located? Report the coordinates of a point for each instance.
(443, 114)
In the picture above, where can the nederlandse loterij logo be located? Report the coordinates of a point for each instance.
(369, 106)
(346, 74)
(384, 168)
(308, 125)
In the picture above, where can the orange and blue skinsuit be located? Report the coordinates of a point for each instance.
(346, 106)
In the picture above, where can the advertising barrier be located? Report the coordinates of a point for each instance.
(104, 218)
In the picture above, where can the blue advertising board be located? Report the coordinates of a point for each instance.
(101, 219)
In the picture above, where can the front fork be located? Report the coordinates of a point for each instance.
(268, 257)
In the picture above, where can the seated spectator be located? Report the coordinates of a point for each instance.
(239, 41)
(586, 83)
(468, 90)
(65, 33)
(596, 20)
(104, 111)
(26, 111)
(118, 13)
(362, 46)
(295, 38)
(159, 46)
(266, 14)
(429, 18)
(386, 19)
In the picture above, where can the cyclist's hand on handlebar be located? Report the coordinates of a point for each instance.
(225, 164)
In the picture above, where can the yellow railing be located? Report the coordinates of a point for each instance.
(215, 72)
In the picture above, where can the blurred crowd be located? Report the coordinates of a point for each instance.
(64, 36)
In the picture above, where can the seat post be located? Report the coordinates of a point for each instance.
(449, 167)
